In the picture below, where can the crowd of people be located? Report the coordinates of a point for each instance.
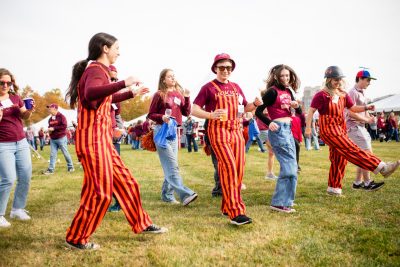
(276, 121)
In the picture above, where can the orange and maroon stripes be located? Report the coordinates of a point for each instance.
(341, 148)
(228, 145)
(104, 173)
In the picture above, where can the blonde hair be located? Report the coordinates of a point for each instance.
(341, 89)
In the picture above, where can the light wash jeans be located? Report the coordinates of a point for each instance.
(15, 163)
(282, 143)
(314, 138)
(55, 144)
(172, 179)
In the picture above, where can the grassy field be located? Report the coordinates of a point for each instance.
(362, 229)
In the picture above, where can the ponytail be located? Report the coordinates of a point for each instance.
(77, 72)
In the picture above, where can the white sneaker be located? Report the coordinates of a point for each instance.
(4, 223)
(20, 214)
(270, 176)
(334, 191)
(390, 168)
(243, 187)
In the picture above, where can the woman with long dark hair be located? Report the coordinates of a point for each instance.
(279, 100)
(104, 172)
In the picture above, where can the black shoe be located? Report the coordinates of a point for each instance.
(87, 246)
(216, 194)
(374, 186)
(154, 229)
(359, 186)
(241, 219)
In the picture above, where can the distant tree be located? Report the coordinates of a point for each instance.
(134, 108)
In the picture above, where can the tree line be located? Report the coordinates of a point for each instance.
(130, 109)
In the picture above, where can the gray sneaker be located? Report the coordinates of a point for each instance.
(271, 176)
(189, 199)
(87, 246)
(390, 168)
(71, 169)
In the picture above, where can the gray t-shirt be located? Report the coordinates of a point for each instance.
(357, 95)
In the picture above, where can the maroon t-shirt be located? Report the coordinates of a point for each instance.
(11, 129)
(281, 107)
(175, 101)
(261, 126)
(59, 123)
(321, 101)
(207, 97)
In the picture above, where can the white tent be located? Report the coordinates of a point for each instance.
(388, 104)
(70, 115)
(142, 118)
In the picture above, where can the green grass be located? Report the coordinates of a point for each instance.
(362, 229)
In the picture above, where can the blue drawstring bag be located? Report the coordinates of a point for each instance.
(253, 129)
(167, 132)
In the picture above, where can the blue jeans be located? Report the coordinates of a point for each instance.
(259, 142)
(172, 179)
(314, 138)
(282, 143)
(55, 144)
(189, 140)
(15, 163)
(41, 143)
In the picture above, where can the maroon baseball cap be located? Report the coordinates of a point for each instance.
(112, 68)
(53, 105)
(220, 57)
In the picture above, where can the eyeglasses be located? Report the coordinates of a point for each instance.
(2, 83)
(222, 68)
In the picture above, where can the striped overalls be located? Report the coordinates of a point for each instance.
(104, 174)
(341, 149)
(228, 145)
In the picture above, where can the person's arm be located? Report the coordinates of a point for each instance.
(122, 95)
(355, 108)
(198, 112)
(155, 107)
(186, 107)
(359, 117)
(268, 100)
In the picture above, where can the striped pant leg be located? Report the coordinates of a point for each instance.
(126, 190)
(238, 148)
(231, 200)
(337, 169)
(96, 196)
(351, 152)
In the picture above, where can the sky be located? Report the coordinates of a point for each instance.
(41, 40)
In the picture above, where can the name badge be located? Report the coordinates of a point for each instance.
(53, 117)
(241, 109)
(240, 99)
(177, 101)
(114, 106)
(7, 103)
(335, 99)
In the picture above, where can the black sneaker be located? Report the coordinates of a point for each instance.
(374, 186)
(48, 172)
(87, 246)
(154, 229)
(359, 186)
(241, 219)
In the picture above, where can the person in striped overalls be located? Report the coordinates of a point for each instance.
(104, 172)
(223, 102)
(330, 103)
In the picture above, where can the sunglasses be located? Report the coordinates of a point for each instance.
(222, 68)
(2, 83)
